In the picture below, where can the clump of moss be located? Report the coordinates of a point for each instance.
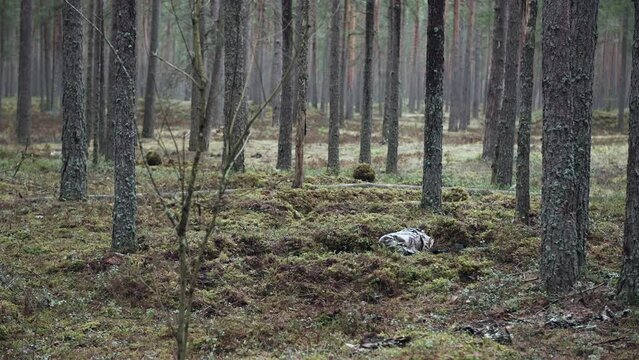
(153, 158)
(455, 195)
(364, 172)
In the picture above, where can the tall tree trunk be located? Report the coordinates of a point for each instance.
(197, 101)
(560, 252)
(46, 33)
(503, 163)
(122, 75)
(3, 7)
(215, 103)
(584, 43)
(433, 129)
(303, 33)
(73, 179)
(413, 80)
(477, 75)
(350, 63)
(276, 71)
(23, 115)
(628, 289)
(467, 82)
(148, 127)
(284, 145)
(313, 76)
(525, 113)
(367, 106)
(99, 136)
(334, 91)
(391, 108)
(456, 67)
(622, 76)
(496, 81)
(236, 17)
(89, 100)
(343, 64)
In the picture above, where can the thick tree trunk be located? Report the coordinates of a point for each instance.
(628, 290)
(73, 180)
(503, 163)
(621, 90)
(525, 114)
(367, 106)
(433, 129)
(334, 90)
(391, 108)
(122, 75)
(148, 127)
(284, 144)
(559, 264)
(236, 17)
(584, 42)
(303, 33)
(23, 115)
(496, 81)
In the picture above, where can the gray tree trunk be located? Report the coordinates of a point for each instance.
(284, 145)
(628, 290)
(73, 180)
(525, 114)
(334, 91)
(3, 6)
(313, 76)
(197, 102)
(391, 108)
(621, 99)
(303, 33)
(89, 100)
(236, 40)
(468, 82)
(215, 102)
(559, 264)
(23, 114)
(276, 72)
(148, 127)
(434, 128)
(496, 81)
(121, 112)
(367, 106)
(99, 88)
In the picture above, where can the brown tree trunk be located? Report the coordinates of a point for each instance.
(148, 126)
(367, 106)
(467, 100)
(391, 108)
(284, 146)
(23, 114)
(456, 73)
(496, 81)
(622, 75)
(334, 91)
(303, 34)
(276, 70)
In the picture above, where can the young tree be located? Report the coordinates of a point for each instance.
(303, 33)
(496, 80)
(23, 114)
(525, 113)
(433, 129)
(367, 106)
(121, 112)
(148, 126)
(628, 290)
(334, 91)
(503, 163)
(73, 180)
(391, 108)
(286, 112)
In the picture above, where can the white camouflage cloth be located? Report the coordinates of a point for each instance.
(408, 241)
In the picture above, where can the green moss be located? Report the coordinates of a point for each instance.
(364, 172)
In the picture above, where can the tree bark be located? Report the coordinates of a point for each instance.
(3, 6)
(148, 127)
(628, 289)
(99, 135)
(334, 91)
(73, 180)
(284, 145)
(367, 106)
(313, 76)
(215, 103)
(434, 101)
(302, 84)
(621, 99)
(23, 114)
(276, 70)
(121, 112)
(496, 81)
(198, 102)
(89, 100)
(468, 82)
(391, 108)
(525, 114)
(456, 105)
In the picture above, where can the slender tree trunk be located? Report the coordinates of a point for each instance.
(73, 180)
(525, 113)
(628, 289)
(367, 106)
(496, 82)
(413, 80)
(284, 145)
(391, 109)
(433, 129)
(215, 103)
(503, 163)
(334, 91)
(350, 64)
(23, 115)
(276, 72)
(99, 135)
(621, 99)
(89, 100)
(122, 75)
(3, 6)
(47, 63)
(467, 83)
(303, 33)
(456, 66)
(197, 101)
(343, 64)
(148, 127)
(477, 75)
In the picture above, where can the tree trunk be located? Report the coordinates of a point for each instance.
(628, 290)
(3, 7)
(391, 108)
(284, 145)
(215, 103)
(559, 251)
(303, 33)
(468, 82)
(334, 91)
(496, 81)
(525, 113)
(73, 180)
(503, 163)
(367, 106)
(413, 80)
(122, 75)
(584, 42)
(622, 75)
(433, 129)
(235, 51)
(89, 100)
(456, 76)
(313, 77)
(197, 101)
(343, 61)
(99, 135)
(23, 115)
(276, 71)
(148, 127)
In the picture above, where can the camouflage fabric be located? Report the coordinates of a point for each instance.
(408, 241)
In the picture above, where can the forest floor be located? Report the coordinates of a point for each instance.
(299, 273)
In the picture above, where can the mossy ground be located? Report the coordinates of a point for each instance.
(299, 273)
